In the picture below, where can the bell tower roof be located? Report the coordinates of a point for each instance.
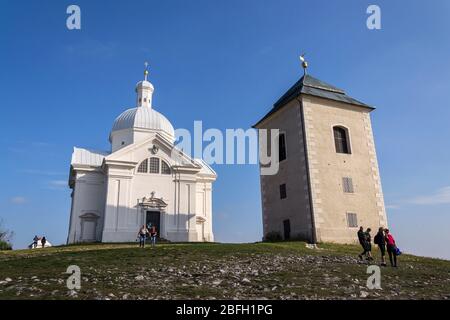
(308, 85)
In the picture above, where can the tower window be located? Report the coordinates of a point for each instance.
(143, 167)
(347, 185)
(283, 194)
(341, 140)
(165, 168)
(352, 220)
(154, 165)
(282, 147)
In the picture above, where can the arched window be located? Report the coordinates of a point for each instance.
(341, 140)
(165, 168)
(154, 165)
(143, 167)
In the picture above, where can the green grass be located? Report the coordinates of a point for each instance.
(282, 270)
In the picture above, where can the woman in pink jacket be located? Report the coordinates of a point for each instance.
(391, 248)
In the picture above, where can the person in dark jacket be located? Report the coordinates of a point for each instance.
(368, 239)
(380, 240)
(362, 242)
(35, 242)
(43, 241)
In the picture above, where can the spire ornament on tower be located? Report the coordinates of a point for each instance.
(304, 63)
(145, 70)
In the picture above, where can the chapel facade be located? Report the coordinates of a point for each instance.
(144, 179)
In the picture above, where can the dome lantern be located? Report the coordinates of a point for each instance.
(144, 91)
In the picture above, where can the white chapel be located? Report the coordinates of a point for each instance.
(145, 179)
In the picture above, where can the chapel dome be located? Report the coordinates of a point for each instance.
(144, 83)
(143, 118)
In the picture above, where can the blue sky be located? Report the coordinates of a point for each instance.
(225, 63)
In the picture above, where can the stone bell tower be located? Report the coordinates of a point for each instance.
(328, 182)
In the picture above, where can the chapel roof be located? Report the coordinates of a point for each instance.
(309, 85)
(81, 156)
(206, 168)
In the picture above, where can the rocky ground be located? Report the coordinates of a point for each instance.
(287, 270)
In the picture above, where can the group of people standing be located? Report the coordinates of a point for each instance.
(145, 232)
(384, 240)
(35, 242)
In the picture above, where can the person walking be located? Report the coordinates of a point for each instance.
(380, 240)
(35, 242)
(153, 234)
(43, 241)
(368, 241)
(142, 235)
(391, 248)
(362, 242)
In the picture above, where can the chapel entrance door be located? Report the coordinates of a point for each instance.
(153, 218)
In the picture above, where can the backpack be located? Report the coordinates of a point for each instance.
(377, 239)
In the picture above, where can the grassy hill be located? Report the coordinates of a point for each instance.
(285, 270)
